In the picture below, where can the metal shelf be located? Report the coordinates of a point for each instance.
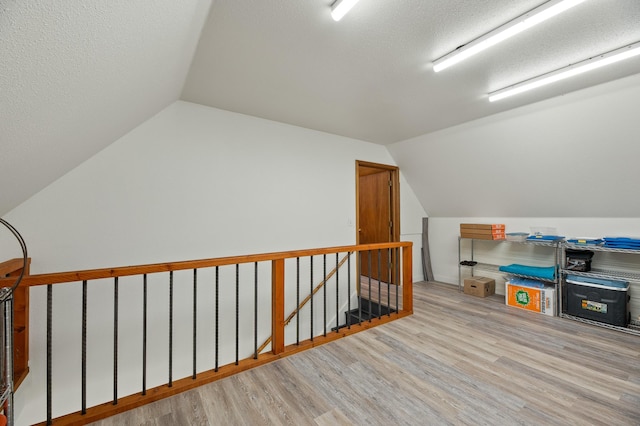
(530, 277)
(539, 243)
(532, 242)
(487, 267)
(606, 274)
(484, 267)
(560, 247)
(598, 248)
(631, 329)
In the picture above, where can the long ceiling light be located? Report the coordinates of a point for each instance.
(570, 71)
(511, 28)
(341, 8)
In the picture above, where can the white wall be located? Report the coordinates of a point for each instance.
(192, 182)
(197, 182)
(572, 156)
(569, 162)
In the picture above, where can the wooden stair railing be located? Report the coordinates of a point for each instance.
(278, 346)
(12, 269)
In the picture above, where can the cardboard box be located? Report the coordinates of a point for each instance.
(540, 300)
(484, 235)
(479, 286)
(482, 226)
(482, 231)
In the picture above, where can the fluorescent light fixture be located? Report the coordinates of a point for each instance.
(341, 8)
(572, 70)
(511, 28)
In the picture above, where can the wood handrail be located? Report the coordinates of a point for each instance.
(11, 266)
(96, 274)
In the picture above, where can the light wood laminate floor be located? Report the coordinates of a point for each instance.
(458, 360)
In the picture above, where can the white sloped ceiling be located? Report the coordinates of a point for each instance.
(77, 75)
(369, 76)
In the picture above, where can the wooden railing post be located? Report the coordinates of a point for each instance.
(407, 279)
(277, 306)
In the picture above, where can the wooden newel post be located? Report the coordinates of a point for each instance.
(277, 306)
(407, 279)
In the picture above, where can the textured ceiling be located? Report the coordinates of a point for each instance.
(369, 76)
(77, 75)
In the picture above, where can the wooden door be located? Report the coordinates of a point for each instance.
(378, 205)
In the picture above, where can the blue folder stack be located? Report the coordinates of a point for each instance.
(622, 243)
(586, 241)
(540, 237)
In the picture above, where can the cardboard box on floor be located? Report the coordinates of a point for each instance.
(479, 286)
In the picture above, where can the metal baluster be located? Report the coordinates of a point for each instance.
(217, 315)
(324, 292)
(195, 319)
(369, 275)
(255, 310)
(49, 355)
(379, 283)
(84, 347)
(297, 300)
(349, 290)
(337, 297)
(390, 269)
(170, 384)
(397, 277)
(237, 312)
(360, 289)
(311, 293)
(144, 334)
(115, 341)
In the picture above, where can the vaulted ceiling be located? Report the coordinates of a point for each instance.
(369, 76)
(77, 75)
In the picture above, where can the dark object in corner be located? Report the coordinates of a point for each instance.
(579, 260)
